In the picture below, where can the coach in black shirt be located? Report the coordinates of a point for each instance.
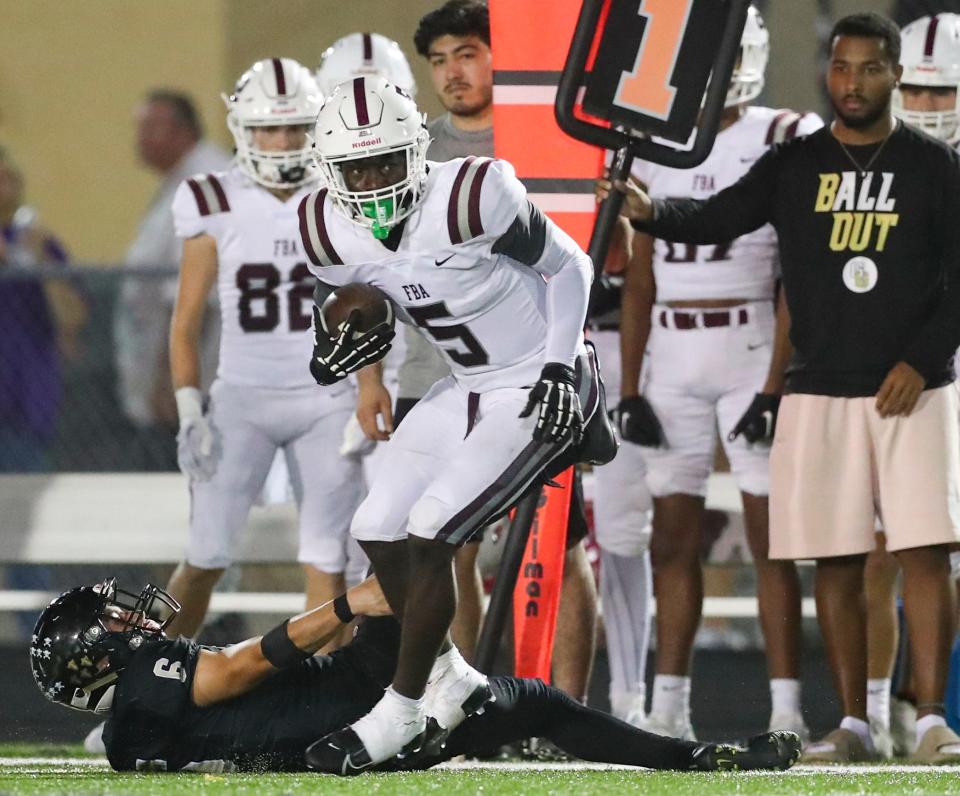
(867, 213)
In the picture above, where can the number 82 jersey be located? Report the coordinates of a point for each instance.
(264, 284)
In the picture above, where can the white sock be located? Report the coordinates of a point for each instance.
(403, 702)
(625, 589)
(784, 696)
(924, 723)
(623, 702)
(393, 714)
(861, 728)
(451, 657)
(878, 701)
(671, 696)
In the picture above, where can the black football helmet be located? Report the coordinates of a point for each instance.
(86, 637)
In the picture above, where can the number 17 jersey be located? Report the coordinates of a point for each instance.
(745, 268)
(264, 284)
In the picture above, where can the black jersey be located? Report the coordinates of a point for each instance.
(869, 244)
(154, 724)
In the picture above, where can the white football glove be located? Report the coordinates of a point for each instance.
(199, 446)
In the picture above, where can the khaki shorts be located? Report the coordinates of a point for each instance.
(836, 465)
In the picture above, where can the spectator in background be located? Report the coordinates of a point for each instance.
(40, 319)
(170, 142)
(39, 322)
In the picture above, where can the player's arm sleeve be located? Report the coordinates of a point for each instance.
(187, 219)
(533, 239)
(526, 235)
(741, 208)
(939, 337)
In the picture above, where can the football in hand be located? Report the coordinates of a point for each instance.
(372, 303)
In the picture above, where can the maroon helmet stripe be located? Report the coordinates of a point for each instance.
(221, 194)
(452, 226)
(772, 130)
(367, 47)
(305, 233)
(473, 205)
(931, 36)
(278, 73)
(360, 100)
(322, 229)
(201, 199)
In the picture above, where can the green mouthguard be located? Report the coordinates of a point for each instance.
(382, 212)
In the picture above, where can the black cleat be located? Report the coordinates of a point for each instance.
(343, 753)
(770, 751)
(431, 752)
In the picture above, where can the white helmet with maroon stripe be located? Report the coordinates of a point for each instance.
(358, 54)
(274, 92)
(930, 56)
(747, 80)
(364, 118)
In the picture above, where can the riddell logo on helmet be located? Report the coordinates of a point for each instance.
(371, 142)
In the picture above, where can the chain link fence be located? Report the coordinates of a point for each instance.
(69, 339)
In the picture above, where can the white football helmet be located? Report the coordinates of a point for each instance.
(273, 92)
(359, 54)
(746, 82)
(363, 118)
(930, 56)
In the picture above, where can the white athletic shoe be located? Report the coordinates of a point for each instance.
(93, 743)
(903, 727)
(455, 690)
(384, 733)
(670, 726)
(882, 740)
(636, 715)
(793, 722)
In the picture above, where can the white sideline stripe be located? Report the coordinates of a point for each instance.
(44, 764)
(47, 762)
(289, 603)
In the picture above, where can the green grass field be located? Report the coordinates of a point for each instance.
(65, 770)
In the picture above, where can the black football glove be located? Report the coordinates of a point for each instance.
(637, 422)
(556, 396)
(759, 421)
(335, 357)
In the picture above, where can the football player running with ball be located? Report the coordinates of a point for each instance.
(240, 234)
(502, 292)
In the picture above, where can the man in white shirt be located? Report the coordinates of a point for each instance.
(170, 142)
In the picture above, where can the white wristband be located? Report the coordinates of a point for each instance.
(189, 404)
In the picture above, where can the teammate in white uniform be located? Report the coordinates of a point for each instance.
(705, 315)
(241, 233)
(351, 56)
(622, 511)
(503, 293)
(928, 98)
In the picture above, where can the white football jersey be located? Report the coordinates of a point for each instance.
(264, 284)
(485, 311)
(744, 268)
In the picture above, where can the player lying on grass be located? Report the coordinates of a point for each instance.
(173, 705)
